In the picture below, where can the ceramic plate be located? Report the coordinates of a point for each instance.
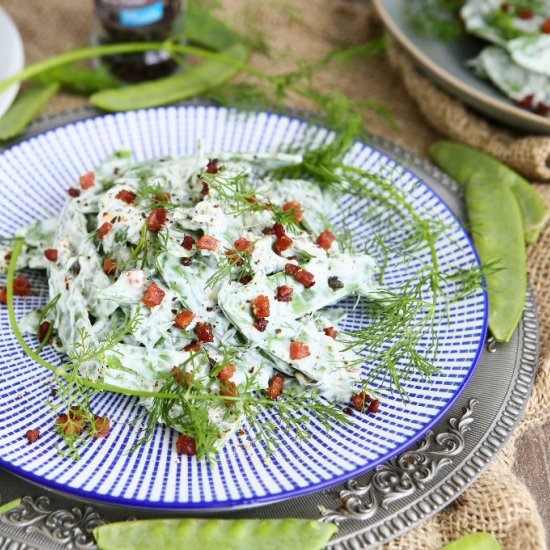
(444, 62)
(34, 178)
(12, 57)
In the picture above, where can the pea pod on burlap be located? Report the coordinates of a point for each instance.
(238, 534)
(464, 163)
(476, 541)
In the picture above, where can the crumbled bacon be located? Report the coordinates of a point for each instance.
(186, 445)
(282, 243)
(22, 286)
(299, 350)
(104, 230)
(329, 331)
(73, 192)
(188, 242)
(245, 279)
(227, 372)
(213, 166)
(205, 189)
(542, 109)
(279, 230)
(153, 296)
(102, 426)
(181, 377)
(527, 101)
(157, 218)
(361, 400)
(297, 207)
(229, 389)
(292, 269)
(184, 318)
(325, 239)
(43, 330)
(545, 28)
(193, 346)
(506, 7)
(374, 406)
(206, 242)
(51, 254)
(109, 266)
(162, 197)
(127, 196)
(69, 426)
(275, 388)
(3, 295)
(243, 244)
(260, 306)
(205, 332)
(261, 324)
(284, 293)
(526, 14)
(305, 277)
(87, 180)
(32, 435)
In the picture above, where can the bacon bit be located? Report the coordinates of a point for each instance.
(156, 219)
(229, 389)
(162, 197)
(68, 425)
(335, 284)
(227, 372)
(186, 445)
(545, 28)
(505, 7)
(542, 109)
(22, 286)
(374, 406)
(527, 101)
(104, 230)
(73, 192)
(348, 411)
(204, 332)
(206, 242)
(305, 277)
(261, 324)
(260, 306)
(275, 388)
(32, 435)
(205, 189)
(109, 266)
(51, 254)
(268, 231)
(292, 269)
(127, 196)
(75, 413)
(284, 293)
(153, 296)
(325, 239)
(361, 400)
(245, 279)
(87, 180)
(193, 346)
(188, 242)
(187, 261)
(213, 166)
(103, 426)
(297, 207)
(181, 377)
(183, 319)
(251, 200)
(243, 244)
(43, 331)
(282, 243)
(299, 350)
(3, 295)
(329, 331)
(279, 230)
(7, 257)
(526, 14)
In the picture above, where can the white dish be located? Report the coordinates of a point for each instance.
(12, 57)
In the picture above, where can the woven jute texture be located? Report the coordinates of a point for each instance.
(297, 31)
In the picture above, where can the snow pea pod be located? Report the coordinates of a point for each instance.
(464, 163)
(27, 105)
(79, 80)
(476, 541)
(496, 228)
(208, 31)
(238, 534)
(194, 81)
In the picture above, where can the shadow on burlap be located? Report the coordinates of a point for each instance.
(298, 30)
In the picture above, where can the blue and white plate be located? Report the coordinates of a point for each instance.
(34, 178)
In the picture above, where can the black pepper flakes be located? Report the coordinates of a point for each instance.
(335, 283)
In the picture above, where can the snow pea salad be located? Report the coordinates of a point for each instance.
(196, 276)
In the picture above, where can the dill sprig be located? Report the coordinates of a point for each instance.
(232, 262)
(436, 18)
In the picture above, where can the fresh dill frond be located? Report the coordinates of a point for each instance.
(436, 18)
(232, 262)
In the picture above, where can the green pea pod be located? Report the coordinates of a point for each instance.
(26, 106)
(476, 541)
(10, 505)
(237, 534)
(194, 81)
(463, 163)
(79, 80)
(495, 224)
(207, 31)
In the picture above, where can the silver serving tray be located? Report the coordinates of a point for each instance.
(371, 509)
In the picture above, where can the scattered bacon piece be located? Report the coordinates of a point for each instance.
(206, 242)
(545, 28)
(193, 346)
(186, 445)
(183, 319)
(75, 413)
(156, 219)
(526, 14)
(127, 196)
(3, 295)
(227, 372)
(104, 230)
(204, 332)
(181, 377)
(22, 286)
(260, 306)
(374, 406)
(32, 435)
(299, 350)
(153, 296)
(348, 411)
(68, 425)
(284, 293)
(305, 277)
(542, 109)
(275, 388)
(243, 244)
(527, 101)
(505, 7)
(325, 239)
(282, 243)
(187, 261)
(261, 324)
(251, 200)
(329, 331)
(213, 166)
(279, 230)
(205, 189)
(103, 426)
(188, 242)
(109, 266)
(51, 254)
(245, 279)
(334, 283)
(87, 180)
(297, 207)
(7, 257)
(361, 400)
(162, 197)
(229, 389)
(43, 331)
(292, 269)
(73, 192)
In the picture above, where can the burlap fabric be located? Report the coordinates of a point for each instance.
(297, 30)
